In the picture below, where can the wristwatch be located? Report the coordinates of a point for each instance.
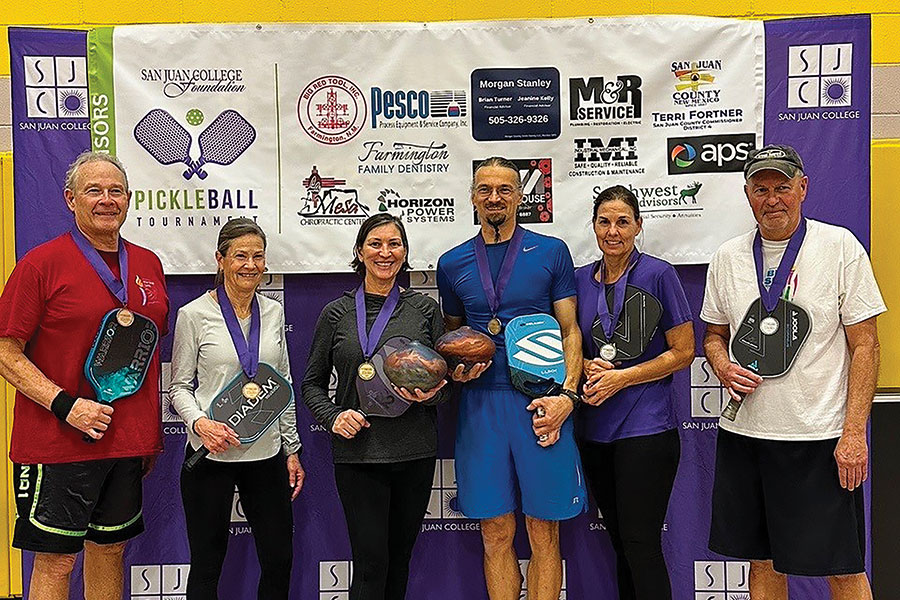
(575, 397)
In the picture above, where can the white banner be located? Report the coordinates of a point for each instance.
(312, 128)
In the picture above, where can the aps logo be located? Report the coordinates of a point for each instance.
(709, 153)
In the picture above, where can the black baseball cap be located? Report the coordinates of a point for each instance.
(783, 159)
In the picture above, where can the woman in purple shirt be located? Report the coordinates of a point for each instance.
(629, 441)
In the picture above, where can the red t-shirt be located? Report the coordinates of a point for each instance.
(54, 301)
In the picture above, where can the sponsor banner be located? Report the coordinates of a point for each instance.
(229, 122)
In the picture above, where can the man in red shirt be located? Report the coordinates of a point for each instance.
(71, 494)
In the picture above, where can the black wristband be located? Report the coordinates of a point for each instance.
(62, 405)
(575, 397)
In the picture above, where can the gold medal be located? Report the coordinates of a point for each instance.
(125, 317)
(366, 371)
(494, 326)
(251, 390)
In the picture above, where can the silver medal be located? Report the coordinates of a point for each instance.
(769, 325)
(607, 351)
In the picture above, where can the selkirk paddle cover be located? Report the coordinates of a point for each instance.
(535, 355)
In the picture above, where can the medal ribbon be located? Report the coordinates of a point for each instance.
(369, 341)
(118, 287)
(247, 349)
(494, 291)
(770, 296)
(609, 318)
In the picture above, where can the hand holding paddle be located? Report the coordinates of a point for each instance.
(349, 423)
(216, 436)
(550, 414)
(90, 417)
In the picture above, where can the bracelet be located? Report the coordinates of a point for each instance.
(575, 397)
(62, 405)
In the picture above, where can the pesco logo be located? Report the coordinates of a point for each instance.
(159, 582)
(721, 580)
(55, 88)
(709, 153)
(596, 157)
(329, 202)
(332, 110)
(599, 101)
(695, 82)
(417, 210)
(537, 189)
(400, 109)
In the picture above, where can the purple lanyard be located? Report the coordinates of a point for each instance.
(770, 296)
(118, 287)
(608, 319)
(247, 349)
(369, 341)
(494, 292)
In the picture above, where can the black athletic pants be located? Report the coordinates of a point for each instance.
(631, 480)
(384, 505)
(208, 493)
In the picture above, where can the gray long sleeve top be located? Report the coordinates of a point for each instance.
(202, 348)
(336, 346)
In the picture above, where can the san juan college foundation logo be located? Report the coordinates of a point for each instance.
(332, 110)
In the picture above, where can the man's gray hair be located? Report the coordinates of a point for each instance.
(89, 156)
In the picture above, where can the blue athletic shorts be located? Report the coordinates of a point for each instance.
(496, 448)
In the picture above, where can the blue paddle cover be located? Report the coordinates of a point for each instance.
(534, 352)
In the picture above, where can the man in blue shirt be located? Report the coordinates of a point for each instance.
(501, 439)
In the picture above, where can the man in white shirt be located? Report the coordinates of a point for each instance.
(789, 468)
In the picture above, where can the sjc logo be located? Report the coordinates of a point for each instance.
(158, 582)
(721, 580)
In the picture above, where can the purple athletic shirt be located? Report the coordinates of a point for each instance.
(642, 409)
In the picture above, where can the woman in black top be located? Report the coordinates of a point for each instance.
(383, 467)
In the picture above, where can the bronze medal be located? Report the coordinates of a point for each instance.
(494, 326)
(366, 371)
(125, 317)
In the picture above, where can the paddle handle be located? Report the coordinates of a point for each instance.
(733, 407)
(196, 457)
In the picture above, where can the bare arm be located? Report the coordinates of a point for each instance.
(605, 381)
(852, 453)
(86, 415)
(734, 377)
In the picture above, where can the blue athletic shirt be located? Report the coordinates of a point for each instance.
(646, 408)
(542, 274)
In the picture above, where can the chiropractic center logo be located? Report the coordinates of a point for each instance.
(721, 580)
(332, 110)
(328, 201)
(159, 582)
(56, 88)
(537, 190)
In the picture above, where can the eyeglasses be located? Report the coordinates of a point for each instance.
(483, 192)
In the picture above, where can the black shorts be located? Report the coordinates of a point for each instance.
(782, 501)
(59, 506)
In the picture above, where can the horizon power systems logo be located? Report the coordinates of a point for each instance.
(332, 110)
(56, 87)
